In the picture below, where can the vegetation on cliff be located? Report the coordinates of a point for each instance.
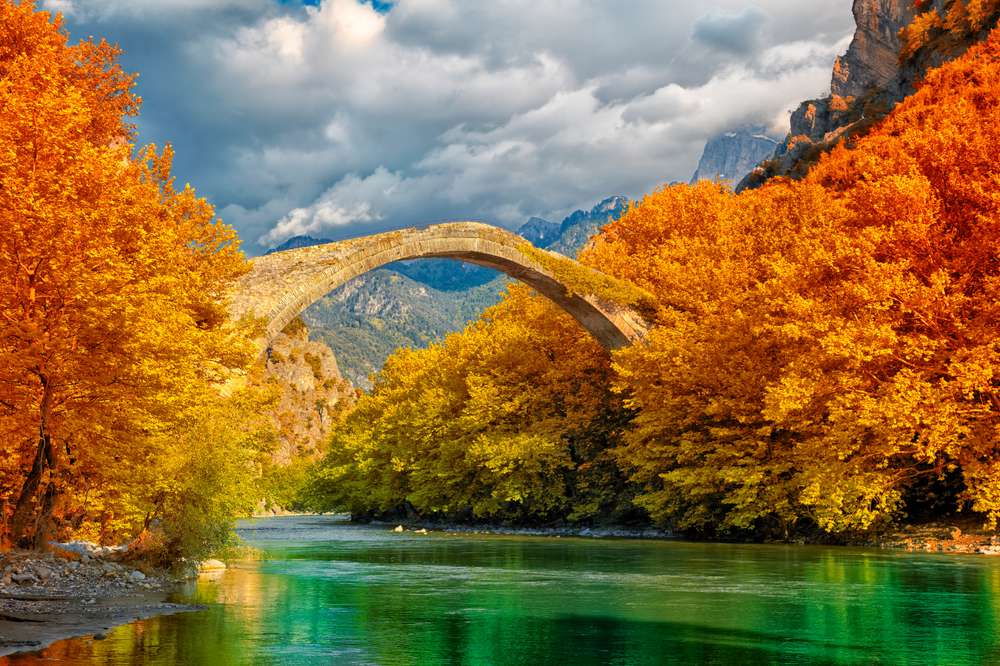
(825, 356)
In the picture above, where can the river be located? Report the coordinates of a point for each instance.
(334, 593)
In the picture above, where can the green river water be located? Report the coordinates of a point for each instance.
(335, 593)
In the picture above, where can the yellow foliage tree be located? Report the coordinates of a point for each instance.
(508, 420)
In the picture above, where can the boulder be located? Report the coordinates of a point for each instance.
(212, 565)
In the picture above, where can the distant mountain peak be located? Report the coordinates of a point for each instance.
(733, 154)
(539, 232)
(609, 206)
(296, 242)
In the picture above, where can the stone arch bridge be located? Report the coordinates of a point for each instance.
(280, 286)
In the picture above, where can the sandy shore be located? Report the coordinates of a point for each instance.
(44, 598)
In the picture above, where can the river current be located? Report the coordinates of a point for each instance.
(330, 592)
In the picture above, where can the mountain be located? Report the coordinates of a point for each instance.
(732, 155)
(581, 226)
(444, 274)
(541, 233)
(413, 303)
(296, 242)
(882, 67)
(368, 318)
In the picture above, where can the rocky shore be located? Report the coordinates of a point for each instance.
(423, 527)
(74, 591)
(966, 538)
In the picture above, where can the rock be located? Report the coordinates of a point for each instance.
(732, 155)
(137, 576)
(311, 389)
(421, 531)
(100, 636)
(398, 528)
(212, 565)
(872, 60)
(23, 578)
(867, 83)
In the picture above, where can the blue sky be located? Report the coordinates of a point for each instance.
(341, 117)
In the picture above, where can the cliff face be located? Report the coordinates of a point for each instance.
(872, 60)
(310, 391)
(732, 155)
(868, 81)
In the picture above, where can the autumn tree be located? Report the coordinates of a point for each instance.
(826, 348)
(509, 420)
(113, 280)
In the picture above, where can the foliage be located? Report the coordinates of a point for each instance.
(205, 474)
(284, 486)
(112, 286)
(825, 345)
(948, 30)
(508, 420)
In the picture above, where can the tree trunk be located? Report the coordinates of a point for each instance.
(22, 525)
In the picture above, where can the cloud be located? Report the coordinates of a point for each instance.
(338, 118)
(739, 32)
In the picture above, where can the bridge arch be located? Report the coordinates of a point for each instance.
(280, 286)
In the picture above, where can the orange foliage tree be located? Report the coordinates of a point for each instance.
(111, 282)
(828, 348)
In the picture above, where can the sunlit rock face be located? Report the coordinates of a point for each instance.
(867, 83)
(310, 391)
(732, 155)
(872, 61)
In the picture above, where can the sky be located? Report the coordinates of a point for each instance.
(337, 118)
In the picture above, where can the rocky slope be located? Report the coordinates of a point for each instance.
(867, 82)
(732, 155)
(373, 315)
(310, 390)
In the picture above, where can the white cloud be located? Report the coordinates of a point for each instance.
(338, 119)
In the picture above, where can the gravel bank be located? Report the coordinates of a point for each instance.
(45, 597)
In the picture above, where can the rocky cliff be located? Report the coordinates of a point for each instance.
(309, 388)
(872, 60)
(882, 66)
(732, 155)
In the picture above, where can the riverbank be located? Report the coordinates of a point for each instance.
(965, 537)
(45, 598)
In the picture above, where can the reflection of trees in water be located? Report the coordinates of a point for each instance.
(388, 599)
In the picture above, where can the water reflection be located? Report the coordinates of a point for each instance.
(335, 593)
